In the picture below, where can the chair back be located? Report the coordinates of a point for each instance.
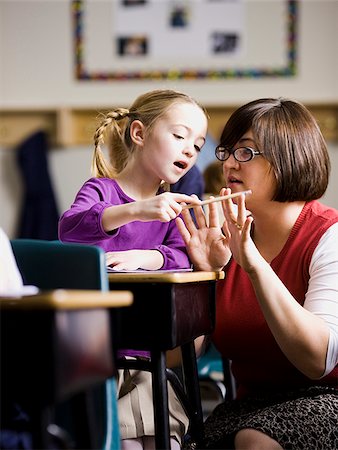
(53, 264)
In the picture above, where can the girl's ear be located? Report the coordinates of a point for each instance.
(137, 132)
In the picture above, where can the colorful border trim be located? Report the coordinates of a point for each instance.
(82, 74)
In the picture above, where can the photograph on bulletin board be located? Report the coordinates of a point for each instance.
(184, 39)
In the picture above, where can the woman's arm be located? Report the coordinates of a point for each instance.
(302, 336)
(322, 295)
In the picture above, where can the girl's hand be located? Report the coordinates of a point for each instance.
(163, 207)
(135, 259)
(206, 245)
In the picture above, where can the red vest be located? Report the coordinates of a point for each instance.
(242, 334)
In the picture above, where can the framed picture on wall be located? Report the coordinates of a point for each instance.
(184, 39)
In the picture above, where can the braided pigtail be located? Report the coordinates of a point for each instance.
(111, 130)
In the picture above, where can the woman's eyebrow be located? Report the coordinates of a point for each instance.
(243, 139)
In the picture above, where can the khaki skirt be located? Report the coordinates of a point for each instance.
(135, 407)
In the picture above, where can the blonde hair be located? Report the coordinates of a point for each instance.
(115, 128)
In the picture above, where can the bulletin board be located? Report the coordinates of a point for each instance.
(184, 39)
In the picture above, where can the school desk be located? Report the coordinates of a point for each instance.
(56, 344)
(170, 310)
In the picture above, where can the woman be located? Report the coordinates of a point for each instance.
(276, 316)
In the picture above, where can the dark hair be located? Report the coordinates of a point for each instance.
(213, 178)
(292, 142)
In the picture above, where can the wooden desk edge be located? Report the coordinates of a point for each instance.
(164, 277)
(61, 299)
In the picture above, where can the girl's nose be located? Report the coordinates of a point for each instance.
(190, 150)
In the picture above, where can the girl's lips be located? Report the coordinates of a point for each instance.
(181, 164)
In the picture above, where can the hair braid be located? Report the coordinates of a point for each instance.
(100, 167)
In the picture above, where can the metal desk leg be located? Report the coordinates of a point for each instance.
(160, 399)
(193, 390)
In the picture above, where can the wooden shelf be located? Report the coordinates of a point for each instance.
(326, 116)
(76, 126)
(15, 126)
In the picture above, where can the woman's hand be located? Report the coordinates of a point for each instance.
(237, 228)
(206, 245)
(135, 259)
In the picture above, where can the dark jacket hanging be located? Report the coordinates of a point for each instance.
(39, 214)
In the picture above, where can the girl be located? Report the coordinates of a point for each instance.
(277, 309)
(125, 210)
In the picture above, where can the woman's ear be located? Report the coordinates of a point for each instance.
(137, 132)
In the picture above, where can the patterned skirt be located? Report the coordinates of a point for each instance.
(305, 419)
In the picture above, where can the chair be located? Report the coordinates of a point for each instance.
(52, 265)
(210, 371)
(216, 379)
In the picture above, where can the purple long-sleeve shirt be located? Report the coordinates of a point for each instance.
(82, 223)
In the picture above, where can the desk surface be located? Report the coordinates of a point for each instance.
(164, 277)
(61, 299)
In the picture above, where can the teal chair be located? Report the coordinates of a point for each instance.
(215, 377)
(52, 265)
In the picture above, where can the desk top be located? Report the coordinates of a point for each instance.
(61, 299)
(159, 276)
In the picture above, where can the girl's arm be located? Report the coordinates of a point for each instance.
(98, 210)
(163, 207)
(135, 259)
(169, 255)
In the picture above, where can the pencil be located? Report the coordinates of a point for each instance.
(217, 199)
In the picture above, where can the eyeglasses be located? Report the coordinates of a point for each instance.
(241, 154)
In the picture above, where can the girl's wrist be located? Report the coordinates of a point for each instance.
(134, 210)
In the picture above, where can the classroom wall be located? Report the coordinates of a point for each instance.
(36, 49)
(36, 70)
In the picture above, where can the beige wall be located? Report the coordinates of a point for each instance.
(36, 71)
(37, 61)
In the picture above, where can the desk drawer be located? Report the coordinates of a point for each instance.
(164, 316)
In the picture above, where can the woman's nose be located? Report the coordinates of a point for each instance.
(231, 162)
